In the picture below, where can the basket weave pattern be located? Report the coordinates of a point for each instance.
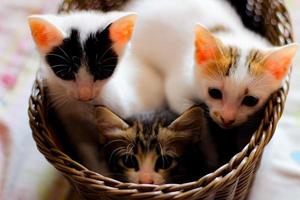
(231, 181)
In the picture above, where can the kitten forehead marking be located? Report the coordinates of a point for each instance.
(254, 58)
(236, 63)
(224, 65)
(95, 53)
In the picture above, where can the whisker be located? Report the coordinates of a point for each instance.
(111, 142)
(107, 59)
(59, 56)
(59, 102)
(108, 67)
(61, 71)
(129, 146)
(106, 52)
(65, 53)
(54, 66)
(114, 152)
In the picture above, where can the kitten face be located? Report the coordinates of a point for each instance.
(81, 58)
(235, 83)
(147, 151)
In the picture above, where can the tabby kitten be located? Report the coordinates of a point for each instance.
(230, 68)
(156, 148)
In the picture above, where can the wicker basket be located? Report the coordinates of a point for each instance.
(231, 181)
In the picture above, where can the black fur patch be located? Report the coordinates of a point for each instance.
(65, 59)
(100, 56)
(96, 54)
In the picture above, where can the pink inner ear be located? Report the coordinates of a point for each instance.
(278, 68)
(121, 31)
(205, 53)
(206, 46)
(45, 35)
(278, 62)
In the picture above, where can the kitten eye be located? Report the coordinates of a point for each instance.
(163, 162)
(250, 101)
(215, 93)
(130, 161)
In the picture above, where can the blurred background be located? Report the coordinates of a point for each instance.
(28, 176)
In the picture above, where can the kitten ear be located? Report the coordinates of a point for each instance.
(189, 122)
(109, 124)
(207, 47)
(278, 61)
(121, 30)
(45, 34)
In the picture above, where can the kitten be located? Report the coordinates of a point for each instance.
(156, 148)
(92, 61)
(80, 50)
(86, 61)
(79, 53)
(230, 68)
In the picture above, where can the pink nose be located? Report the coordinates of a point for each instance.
(85, 94)
(227, 122)
(145, 178)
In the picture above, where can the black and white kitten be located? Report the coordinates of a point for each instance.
(156, 148)
(85, 61)
(80, 50)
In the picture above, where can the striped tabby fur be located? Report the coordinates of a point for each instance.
(155, 147)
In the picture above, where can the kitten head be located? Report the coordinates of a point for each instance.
(81, 50)
(236, 82)
(148, 149)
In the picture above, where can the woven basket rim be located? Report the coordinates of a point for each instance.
(234, 165)
(212, 181)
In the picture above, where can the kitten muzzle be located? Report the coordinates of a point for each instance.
(227, 123)
(146, 178)
(85, 93)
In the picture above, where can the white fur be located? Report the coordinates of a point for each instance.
(164, 37)
(134, 87)
(164, 33)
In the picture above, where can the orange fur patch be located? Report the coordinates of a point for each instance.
(218, 66)
(255, 61)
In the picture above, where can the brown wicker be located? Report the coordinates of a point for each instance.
(231, 181)
(103, 5)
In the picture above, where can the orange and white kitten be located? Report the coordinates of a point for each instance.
(157, 147)
(228, 67)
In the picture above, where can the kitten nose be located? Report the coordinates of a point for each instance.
(227, 122)
(145, 178)
(85, 94)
